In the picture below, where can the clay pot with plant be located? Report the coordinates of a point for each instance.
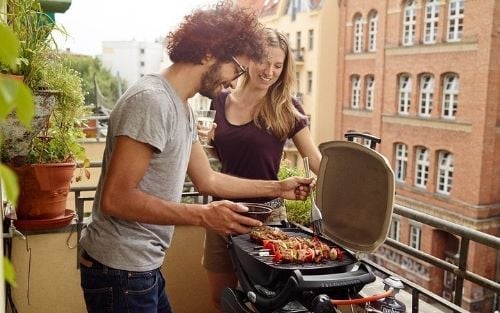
(53, 140)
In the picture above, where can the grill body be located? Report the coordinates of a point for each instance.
(355, 194)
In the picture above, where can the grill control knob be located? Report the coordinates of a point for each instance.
(322, 304)
(252, 296)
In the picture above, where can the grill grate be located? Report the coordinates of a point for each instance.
(244, 243)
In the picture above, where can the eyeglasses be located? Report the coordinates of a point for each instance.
(241, 69)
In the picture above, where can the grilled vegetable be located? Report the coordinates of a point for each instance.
(293, 249)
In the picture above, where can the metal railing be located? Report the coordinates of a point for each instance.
(460, 271)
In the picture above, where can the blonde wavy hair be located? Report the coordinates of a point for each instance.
(276, 112)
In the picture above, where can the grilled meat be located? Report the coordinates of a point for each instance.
(293, 249)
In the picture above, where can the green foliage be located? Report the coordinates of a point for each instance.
(60, 142)
(14, 95)
(90, 67)
(297, 211)
(8, 271)
(10, 183)
(33, 30)
(9, 50)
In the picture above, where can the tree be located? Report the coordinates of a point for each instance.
(90, 67)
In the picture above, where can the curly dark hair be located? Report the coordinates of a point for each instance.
(222, 31)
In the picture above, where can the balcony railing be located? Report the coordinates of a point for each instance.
(465, 234)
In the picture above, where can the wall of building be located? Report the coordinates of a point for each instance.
(132, 59)
(472, 136)
(320, 60)
(48, 280)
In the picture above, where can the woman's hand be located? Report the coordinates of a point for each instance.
(209, 135)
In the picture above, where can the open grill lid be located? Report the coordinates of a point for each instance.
(355, 193)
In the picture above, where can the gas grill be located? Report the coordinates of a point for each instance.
(355, 193)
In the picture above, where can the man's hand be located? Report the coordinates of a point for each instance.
(222, 217)
(296, 188)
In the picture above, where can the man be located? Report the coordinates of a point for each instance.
(151, 143)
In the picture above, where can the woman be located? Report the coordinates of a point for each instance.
(253, 123)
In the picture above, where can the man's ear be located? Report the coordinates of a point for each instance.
(208, 58)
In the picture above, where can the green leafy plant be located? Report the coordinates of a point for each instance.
(297, 211)
(58, 140)
(33, 29)
(14, 96)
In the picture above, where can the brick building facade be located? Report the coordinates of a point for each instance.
(424, 75)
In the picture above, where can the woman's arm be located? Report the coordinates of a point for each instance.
(304, 143)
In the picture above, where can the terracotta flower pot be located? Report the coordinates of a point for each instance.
(43, 190)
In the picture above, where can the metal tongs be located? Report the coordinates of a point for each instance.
(316, 216)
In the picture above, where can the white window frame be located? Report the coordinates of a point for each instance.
(395, 229)
(445, 173)
(409, 23)
(431, 20)
(405, 89)
(415, 236)
(372, 31)
(455, 20)
(369, 92)
(426, 95)
(358, 34)
(298, 40)
(421, 167)
(401, 165)
(355, 91)
(451, 86)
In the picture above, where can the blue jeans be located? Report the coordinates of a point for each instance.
(109, 290)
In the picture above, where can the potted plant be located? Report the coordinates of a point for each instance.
(25, 19)
(52, 144)
(14, 96)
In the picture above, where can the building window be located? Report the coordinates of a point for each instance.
(409, 23)
(297, 75)
(401, 161)
(431, 21)
(450, 96)
(455, 19)
(415, 236)
(445, 172)
(142, 50)
(358, 34)
(309, 82)
(404, 94)
(142, 63)
(370, 92)
(372, 31)
(366, 142)
(356, 91)
(421, 167)
(311, 39)
(426, 95)
(298, 40)
(395, 229)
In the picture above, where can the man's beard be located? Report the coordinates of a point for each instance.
(210, 81)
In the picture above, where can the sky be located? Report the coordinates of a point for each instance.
(90, 22)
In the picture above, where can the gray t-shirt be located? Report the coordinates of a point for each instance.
(151, 112)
